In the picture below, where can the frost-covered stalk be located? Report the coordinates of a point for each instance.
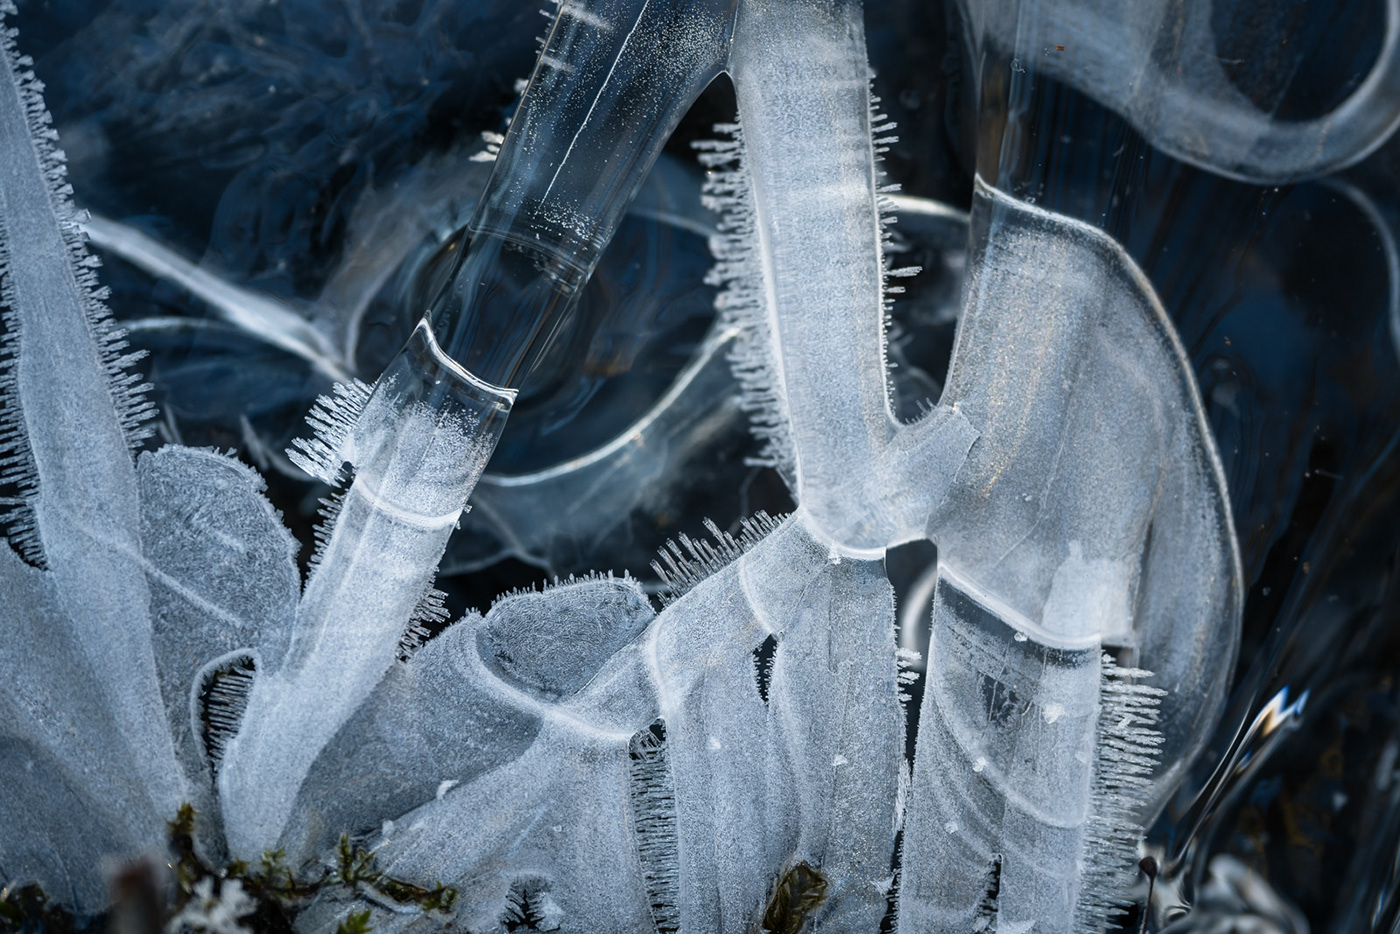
(806, 265)
(73, 411)
(418, 446)
(1091, 514)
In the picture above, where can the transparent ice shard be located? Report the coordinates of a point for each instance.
(612, 82)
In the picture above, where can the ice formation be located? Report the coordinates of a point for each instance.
(1160, 65)
(736, 756)
(90, 766)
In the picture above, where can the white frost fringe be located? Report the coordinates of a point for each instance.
(1128, 754)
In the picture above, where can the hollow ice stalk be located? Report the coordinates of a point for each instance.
(612, 81)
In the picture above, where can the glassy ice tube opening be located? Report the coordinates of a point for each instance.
(505, 301)
(612, 82)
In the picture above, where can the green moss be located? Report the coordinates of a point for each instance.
(27, 910)
(279, 892)
(356, 923)
(797, 894)
(354, 866)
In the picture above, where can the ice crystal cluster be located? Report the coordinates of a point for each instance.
(718, 744)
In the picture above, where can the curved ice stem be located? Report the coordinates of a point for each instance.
(865, 480)
(1158, 64)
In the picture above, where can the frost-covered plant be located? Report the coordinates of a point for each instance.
(84, 729)
(1088, 512)
(574, 758)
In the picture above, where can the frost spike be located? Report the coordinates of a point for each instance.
(223, 698)
(690, 562)
(738, 273)
(1128, 754)
(332, 420)
(427, 618)
(653, 798)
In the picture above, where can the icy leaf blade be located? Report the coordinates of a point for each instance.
(223, 579)
(80, 414)
(74, 795)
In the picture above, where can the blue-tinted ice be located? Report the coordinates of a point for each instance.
(634, 769)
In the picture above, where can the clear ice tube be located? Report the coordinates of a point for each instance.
(612, 82)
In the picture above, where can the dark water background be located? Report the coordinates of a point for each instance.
(247, 135)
